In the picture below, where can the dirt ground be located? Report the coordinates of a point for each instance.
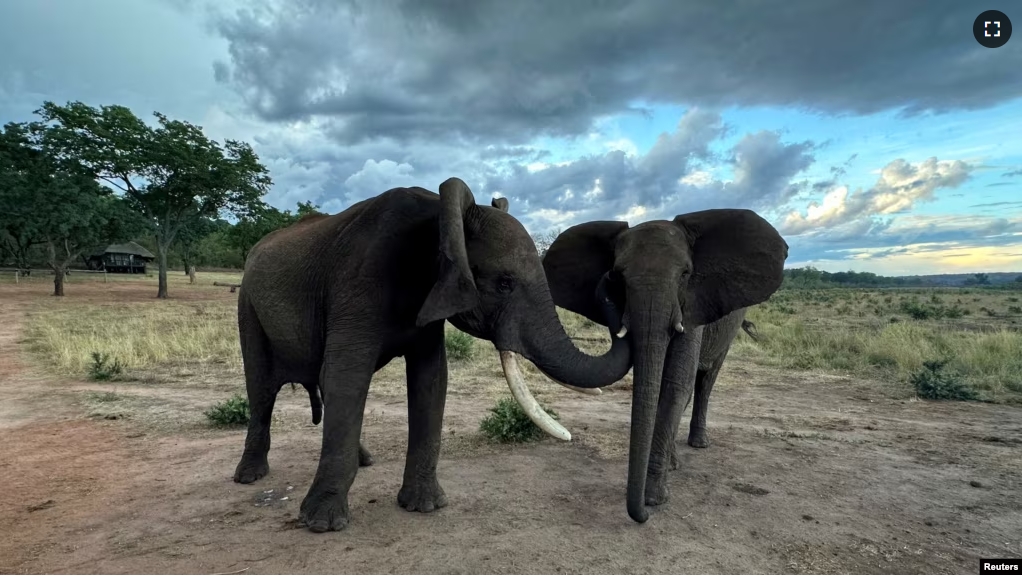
(807, 473)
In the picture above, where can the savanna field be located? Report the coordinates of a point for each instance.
(865, 430)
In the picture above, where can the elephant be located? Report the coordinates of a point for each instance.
(664, 284)
(329, 300)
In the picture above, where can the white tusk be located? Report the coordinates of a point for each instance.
(621, 333)
(679, 326)
(523, 396)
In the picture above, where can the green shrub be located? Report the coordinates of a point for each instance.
(508, 423)
(460, 346)
(102, 369)
(1015, 309)
(231, 412)
(935, 382)
(920, 311)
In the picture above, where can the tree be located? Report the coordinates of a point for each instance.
(17, 234)
(190, 235)
(56, 203)
(171, 174)
(544, 240)
(251, 229)
(980, 279)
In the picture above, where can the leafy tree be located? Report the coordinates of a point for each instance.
(56, 203)
(189, 236)
(980, 279)
(17, 234)
(544, 240)
(251, 229)
(171, 174)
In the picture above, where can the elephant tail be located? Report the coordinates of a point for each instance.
(750, 329)
(317, 403)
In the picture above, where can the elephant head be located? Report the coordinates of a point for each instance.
(491, 285)
(655, 280)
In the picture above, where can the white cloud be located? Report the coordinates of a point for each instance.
(901, 185)
(623, 144)
(376, 177)
(697, 179)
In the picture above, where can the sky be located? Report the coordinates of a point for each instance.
(875, 135)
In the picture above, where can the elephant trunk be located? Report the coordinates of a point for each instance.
(550, 348)
(652, 338)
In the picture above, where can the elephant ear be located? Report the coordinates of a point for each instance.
(455, 288)
(737, 261)
(499, 204)
(575, 263)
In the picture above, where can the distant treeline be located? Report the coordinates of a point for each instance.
(809, 277)
(202, 242)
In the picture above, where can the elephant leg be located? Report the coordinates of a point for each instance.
(426, 366)
(345, 375)
(697, 437)
(675, 393)
(262, 393)
(364, 457)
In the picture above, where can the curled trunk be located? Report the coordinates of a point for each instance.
(548, 346)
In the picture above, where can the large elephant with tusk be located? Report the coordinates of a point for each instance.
(330, 300)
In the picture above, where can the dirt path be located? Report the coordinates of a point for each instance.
(806, 473)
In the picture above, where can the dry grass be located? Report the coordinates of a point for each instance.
(864, 332)
(139, 335)
(870, 332)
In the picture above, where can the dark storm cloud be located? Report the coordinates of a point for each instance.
(508, 71)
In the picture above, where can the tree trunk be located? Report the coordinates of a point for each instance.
(188, 267)
(161, 250)
(58, 280)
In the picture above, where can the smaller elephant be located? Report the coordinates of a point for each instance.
(677, 289)
(711, 343)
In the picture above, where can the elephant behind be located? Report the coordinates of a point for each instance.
(330, 300)
(664, 283)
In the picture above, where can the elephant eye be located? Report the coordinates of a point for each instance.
(505, 284)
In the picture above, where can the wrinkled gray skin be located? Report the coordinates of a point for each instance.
(704, 348)
(330, 300)
(665, 282)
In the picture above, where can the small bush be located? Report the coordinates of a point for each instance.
(934, 382)
(460, 346)
(920, 311)
(1015, 309)
(508, 423)
(102, 369)
(1012, 299)
(231, 412)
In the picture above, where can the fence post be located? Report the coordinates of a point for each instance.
(104, 276)
(17, 274)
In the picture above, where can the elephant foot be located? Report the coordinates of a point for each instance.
(698, 438)
(364, 457)
(422, 497)
(657, 491)
(251, 469)
(321, 512)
